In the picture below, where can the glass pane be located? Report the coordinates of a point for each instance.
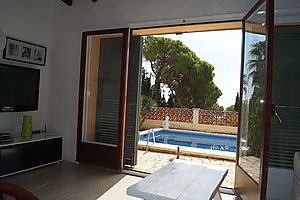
(253, 98)
(102, 89)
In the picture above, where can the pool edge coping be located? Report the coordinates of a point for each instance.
(172, 149)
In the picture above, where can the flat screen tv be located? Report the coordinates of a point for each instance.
(19, 88)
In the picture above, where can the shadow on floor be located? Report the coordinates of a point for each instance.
(67, 181)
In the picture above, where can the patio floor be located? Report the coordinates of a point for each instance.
(152, 161)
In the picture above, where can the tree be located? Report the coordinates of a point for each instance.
(235, 107)
(170, 102)
(146, 83)
(162, 53)
(256, 66)
(230, 108)
(217, 107)
(245, 83)
(190, 80)
(162, 102)
(237, 103)
(146, 102)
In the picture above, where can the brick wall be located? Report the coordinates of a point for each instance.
(212, 117)
(215, 117)
(175, 114)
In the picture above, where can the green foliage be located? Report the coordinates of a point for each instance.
(189, 79)
(146, 83)
(217, 107)
(256, 66)
(162, 102)
(230, 108)
(170, 102)
(237, 103)
(235, 107)
(146, 104)
(255, 131)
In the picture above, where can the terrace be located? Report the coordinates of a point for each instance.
(152, 161)
(157, 150)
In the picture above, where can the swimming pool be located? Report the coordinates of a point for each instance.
(211, 141)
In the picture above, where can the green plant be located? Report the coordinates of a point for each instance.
(146, 105)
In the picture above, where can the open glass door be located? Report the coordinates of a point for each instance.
(256, 106)
(102, 104)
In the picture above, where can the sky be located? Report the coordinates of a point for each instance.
(222, 49)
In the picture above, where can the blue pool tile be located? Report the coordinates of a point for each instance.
(195, 139)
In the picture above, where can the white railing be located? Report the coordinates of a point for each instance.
(148, 138)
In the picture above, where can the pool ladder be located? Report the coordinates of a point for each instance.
(148, 138)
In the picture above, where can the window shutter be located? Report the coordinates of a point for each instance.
(285, 137)
(107, 114)
(133, 101)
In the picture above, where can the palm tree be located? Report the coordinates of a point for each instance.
(245, 83)
(256, 65)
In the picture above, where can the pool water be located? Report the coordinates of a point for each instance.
(193, 139)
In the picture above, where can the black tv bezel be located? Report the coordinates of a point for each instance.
(18, 108)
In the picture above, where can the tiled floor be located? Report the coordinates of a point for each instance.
(67, 181)
(118, 191)
(152, 161)
(70, 181)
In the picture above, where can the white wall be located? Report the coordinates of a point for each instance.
(85, 15)
(280, 182)
(35, 21)
(31, 21)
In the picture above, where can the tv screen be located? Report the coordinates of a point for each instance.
(19, 88)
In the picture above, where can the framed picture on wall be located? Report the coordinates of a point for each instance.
(22, 51)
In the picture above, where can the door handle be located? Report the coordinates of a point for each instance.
(275, 112)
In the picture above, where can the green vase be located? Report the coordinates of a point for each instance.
(27, 126)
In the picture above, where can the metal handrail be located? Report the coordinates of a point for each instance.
(148, 138)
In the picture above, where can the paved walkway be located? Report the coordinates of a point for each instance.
(152, 161)
(251, 165)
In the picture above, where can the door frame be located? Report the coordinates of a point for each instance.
(244, 183)
(86, 151)
(184, 28)
(105, 153)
